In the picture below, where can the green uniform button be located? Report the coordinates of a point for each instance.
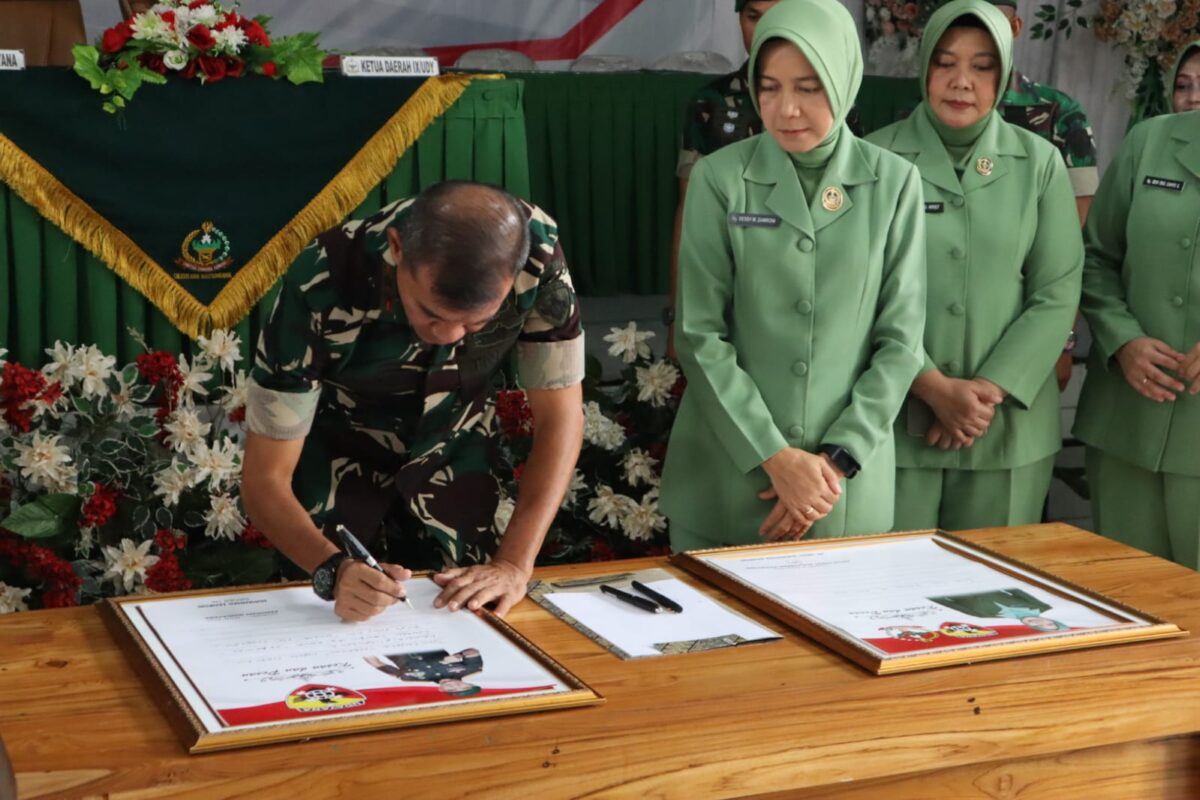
(956, 253)
(804, 307)
(806, 245)
(956, 309)
(958, 202)
(1177, 301)
(1185, 243)
(800, 368)
(796, 431)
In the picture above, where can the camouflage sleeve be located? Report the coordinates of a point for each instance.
(285, 382)
(699, 109)
(550, 346)
(1073, 135)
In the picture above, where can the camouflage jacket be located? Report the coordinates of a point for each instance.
(385, 417)
(1059, 119)
(720, 113)
(434, 665)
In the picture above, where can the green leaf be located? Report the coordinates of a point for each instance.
(49, 515)
(231, 565)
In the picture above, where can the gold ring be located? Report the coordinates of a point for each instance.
(808, 512)
(1145, 380)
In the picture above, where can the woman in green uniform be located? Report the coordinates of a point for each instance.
(801, 303)
(1139, 412)
(976, 440)
(1183, 84)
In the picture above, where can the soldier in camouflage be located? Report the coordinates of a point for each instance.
(370, 403)
(1058, 118)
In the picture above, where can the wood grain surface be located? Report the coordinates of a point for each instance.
(781, 719)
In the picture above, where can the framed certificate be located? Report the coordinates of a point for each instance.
(265, 664)
(909, 601)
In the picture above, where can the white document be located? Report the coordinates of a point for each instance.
(281, 656)
(914, 594)
(636, 631)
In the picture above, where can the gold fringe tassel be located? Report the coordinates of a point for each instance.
(369, 166)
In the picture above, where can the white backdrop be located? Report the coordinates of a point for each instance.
(645, 31)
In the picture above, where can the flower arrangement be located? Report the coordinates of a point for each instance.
(893, 33)
(125, 481)
(1153, 33)
(117, 481)
(203, 40)
(611, 509)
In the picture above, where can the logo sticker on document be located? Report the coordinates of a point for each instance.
(315, 697)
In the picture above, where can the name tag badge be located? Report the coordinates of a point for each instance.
(1164, 183)
(754, 220)
(12, 59)
(935, 208)
(388, 67)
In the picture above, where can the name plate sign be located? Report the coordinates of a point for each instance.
(388, 67)
(12, 59)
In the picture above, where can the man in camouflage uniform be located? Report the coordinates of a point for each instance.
(436, 666)
(1058, 118)
(370, 402)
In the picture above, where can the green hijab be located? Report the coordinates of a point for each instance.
(825, 33)
(998, 26)
(1169, 88)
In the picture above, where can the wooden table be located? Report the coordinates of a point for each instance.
(785, 719)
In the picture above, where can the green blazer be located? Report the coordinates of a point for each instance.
(1005, 259)
(796, 325)
(1142, 278)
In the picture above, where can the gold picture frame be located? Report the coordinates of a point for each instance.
(926, 647)
(176, 694)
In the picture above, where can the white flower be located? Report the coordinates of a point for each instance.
(639, 468)
(175, 59)
(655, 382)
(185, 430)
(599, 429)
(231, 40)
(87, 538)
(608, 507)
(12, 598)
(641, 520)
(628, 343)
(216, 464)
(224, 347)
(150, 27)
(194, 377)
(3, 353)
(170, 482)
(64, 367)
(235, 393)
(204, 15)
(128, 564)
(122, 399)
(94, 369)
(578, 484)
(504, 512)
(45, 464)
(223, 520)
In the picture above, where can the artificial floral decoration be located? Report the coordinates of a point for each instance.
(127, 480)
(202, 40)
(893, 32)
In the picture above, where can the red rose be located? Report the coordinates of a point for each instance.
(116, 37)
(201, 38)
(231, 20)
(196, 4)
(169, 18)
(255, 33)
(189, 71)
(268, 69)
(153, 61)
(234, 67)
(213, 68)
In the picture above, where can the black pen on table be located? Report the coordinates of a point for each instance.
(661, 599)
(633, 600)
(355, 549)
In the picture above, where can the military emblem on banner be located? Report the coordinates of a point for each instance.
(315, 697)
(205, 249)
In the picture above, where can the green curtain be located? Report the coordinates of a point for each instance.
(602, 153)
(51, 288)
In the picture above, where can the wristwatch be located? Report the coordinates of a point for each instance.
(841, 459)
(324, 577)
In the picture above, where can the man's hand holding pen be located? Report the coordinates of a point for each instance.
(361, 591)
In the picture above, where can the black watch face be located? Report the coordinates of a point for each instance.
(322, 581)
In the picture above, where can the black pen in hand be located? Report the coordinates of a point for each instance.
(355, 549)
